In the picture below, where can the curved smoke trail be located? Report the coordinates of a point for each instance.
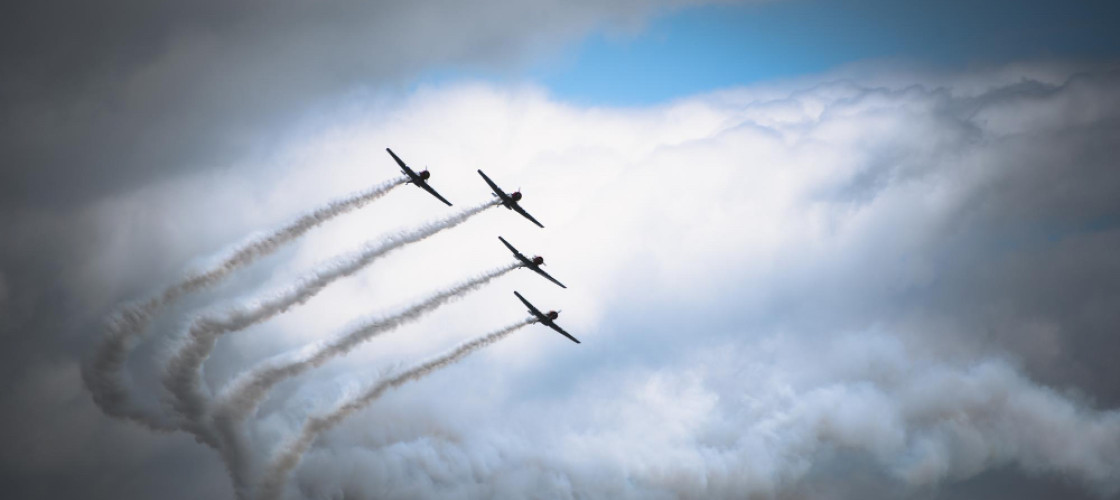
(182, 375)
(245, 394)
(124, 328)
(272, 483)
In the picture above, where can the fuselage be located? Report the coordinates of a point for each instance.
(547, 318)
(535, 263)
(510, 201)
(416, 178)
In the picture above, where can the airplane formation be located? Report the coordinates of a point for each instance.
(510, 201)
(216, 417)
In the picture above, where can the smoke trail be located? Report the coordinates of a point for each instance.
(272, 483)
(129, 323)
(245, 394)
(182, 375)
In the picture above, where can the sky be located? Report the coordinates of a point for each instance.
(733, 44)
(813, 249)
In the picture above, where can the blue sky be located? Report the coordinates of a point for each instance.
(697, 49)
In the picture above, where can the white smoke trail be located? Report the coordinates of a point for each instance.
(124, 328)
(245, 394)
(272, 483)
(182, 376)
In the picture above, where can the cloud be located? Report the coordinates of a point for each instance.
(118, 115)
(910, 280)
(3, 299)
(692, 431)
(913, 276)
(100, 99)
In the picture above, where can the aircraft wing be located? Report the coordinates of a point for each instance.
(517, 208)
(399, 161)
(426, 187)
(562, 332)
(510, 247)
(533, 309)
(497, 190)
(548, 277)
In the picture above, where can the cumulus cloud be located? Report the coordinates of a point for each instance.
(917, 277)
(905, 276)
(734, 422)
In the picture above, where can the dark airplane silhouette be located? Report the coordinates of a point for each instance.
(420, 180)
(509, 200)
(547, 319)
(535, 263)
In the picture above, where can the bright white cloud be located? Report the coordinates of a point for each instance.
(765, 280)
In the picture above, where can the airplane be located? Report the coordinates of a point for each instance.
(535, 263)
(421, 179)
(509, 200)
(545, 319)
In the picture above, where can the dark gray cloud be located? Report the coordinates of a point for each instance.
(98, 98)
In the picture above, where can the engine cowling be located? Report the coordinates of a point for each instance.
(538, 260)
(424, 174)
(553, 315)
(516, 196)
